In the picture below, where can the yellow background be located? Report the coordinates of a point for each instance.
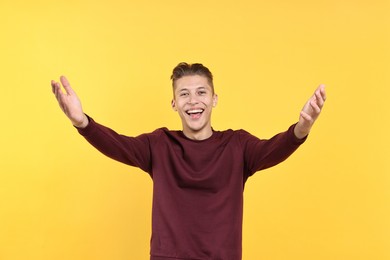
(61, 199)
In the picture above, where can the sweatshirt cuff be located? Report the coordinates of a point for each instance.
(88, 129)
(293, 138)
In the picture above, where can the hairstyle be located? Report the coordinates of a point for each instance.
(186, 69)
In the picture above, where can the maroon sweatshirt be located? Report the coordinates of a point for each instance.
(197, 185)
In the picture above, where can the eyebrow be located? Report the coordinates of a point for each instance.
(199, 88)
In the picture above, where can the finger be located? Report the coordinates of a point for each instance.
(306, 116)
(58, 91)
(323, 92)
(52, 83)
(66, 85)
(54, 86)
(319, 99)
(316, 108)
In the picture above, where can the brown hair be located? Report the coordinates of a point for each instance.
(186, 69)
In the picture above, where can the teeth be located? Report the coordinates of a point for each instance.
(195, 111)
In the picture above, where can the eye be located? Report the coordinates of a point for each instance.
(202, 92)
(183, 94)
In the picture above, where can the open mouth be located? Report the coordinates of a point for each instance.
(195, 113)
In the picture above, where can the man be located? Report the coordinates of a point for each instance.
(198, 173)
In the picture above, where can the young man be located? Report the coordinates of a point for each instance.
(198, 173)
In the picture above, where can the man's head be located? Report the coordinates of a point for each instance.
(194, 99)
(186, 69)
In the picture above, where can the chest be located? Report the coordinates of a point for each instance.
(199, 166)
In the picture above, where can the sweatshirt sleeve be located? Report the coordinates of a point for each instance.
(134, 151)
(260, 154)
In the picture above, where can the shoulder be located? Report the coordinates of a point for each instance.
(163, 133)
(241, 134)
(234, 136)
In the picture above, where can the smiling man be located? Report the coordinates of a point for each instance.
(198, 173)
(194, 99)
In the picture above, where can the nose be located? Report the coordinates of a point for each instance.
(192, 100)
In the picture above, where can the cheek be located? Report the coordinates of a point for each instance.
(177, 104)
(210, 102)
(179, 107)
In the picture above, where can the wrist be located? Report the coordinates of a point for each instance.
(82, 124)
(300, 132)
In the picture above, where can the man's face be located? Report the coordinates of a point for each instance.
(194, 101)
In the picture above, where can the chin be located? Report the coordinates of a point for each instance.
(194, 128)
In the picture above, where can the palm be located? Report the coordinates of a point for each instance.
(68, 101)
(310, 111)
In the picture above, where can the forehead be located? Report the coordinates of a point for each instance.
(191, 82)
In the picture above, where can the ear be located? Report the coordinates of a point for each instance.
(173, 104)
(215, 100)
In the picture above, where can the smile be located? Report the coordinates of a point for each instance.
(195, 113)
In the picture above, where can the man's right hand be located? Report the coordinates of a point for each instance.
(69, 103)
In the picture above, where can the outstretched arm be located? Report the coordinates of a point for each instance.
(69, 103)
(310, 112)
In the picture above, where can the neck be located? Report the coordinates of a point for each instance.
(198, 135)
